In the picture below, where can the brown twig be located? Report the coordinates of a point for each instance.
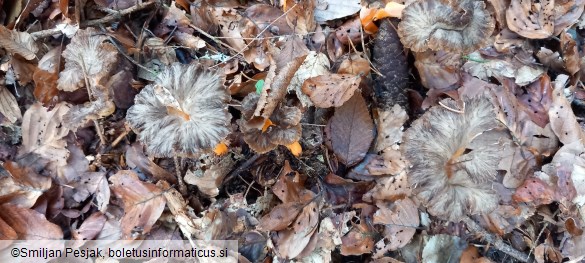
(107, 19)
(495, 240)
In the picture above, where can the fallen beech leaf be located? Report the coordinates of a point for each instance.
(359, 240)
(534, 190)
(264, 15)
(293, 48)
(6, 233)
(331, 90)
(333, 9)
(438, 70)
(289, 186)
(18, 43)
(43, 132)
(90, 227)
(531, 19)
(228, 20)
(562, 119)
(355, 64)
(143, 203)
(135, 158)
(567, 13)
(29, 224)
(300, 15)
(9, 106)
(389, 126)
(340, 191)
(280, 216)
(23, 187)
(315, 64)
(87, 56)
(401, 220)
(291, 242)
(570, 52)
(351, 130)
(209, 181)
(349, 32)
(390, 188)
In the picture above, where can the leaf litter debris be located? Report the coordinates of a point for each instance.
(310, 131)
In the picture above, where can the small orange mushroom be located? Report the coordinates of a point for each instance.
(295, 148)
(220, 149)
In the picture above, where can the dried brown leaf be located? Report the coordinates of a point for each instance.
(179, 209)
(331, 90)
(280, 216)
(290, 243)
(23, 187)
(43, 132)
(562, 119)
(90, 227)
(29, 224)
(135, 158)
(438, 70)
(209, 181)
(143, 203)
(315, 64)
(300, 15)
(531, 19)
(351, 130)
(401, 220)
(8, 105)
(18, 43)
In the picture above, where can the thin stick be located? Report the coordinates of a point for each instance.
(495, 240)
(106, 19)
(182, 186)
(117, 140)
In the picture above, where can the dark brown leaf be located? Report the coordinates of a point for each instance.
(351, 130)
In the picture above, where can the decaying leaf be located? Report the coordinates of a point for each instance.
(90, 227)
(8, 106)
(43, 132)
(351, 130)
(183, 112)
(333, 9)
(209, 181)
(460, 27)
(401, 220)
(87, 56)
(23, 186)
(443, 248)
(315, 64)
(29, 224)
(562, 119)
(18, 43)
(331, 90)
(300, 234)
(451, 158)
(143, 203)
(531, 19)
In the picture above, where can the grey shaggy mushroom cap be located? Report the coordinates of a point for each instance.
(454, 25)
(189, 89)
(454, 158)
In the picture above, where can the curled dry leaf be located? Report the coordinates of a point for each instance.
(183, 112)
(20, 43)
(531, 19)
(179, 209)
(46, 75)
(135, 158)
(567, 13)
(455, 26)
(450, 158)
(315, 64)
(331, 90)
(351, 130)
(9, 106)
(43, 132)
(290, 243)
(570, 52)
(87, 56)
(143, 203)
(228, 20)
(274, 90)
(300, 15)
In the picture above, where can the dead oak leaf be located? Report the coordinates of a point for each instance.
(331, 90)
(143, 202)
(43, 132)
(351, 130)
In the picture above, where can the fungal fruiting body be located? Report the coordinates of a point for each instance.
(454, 157)
(184, 112)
